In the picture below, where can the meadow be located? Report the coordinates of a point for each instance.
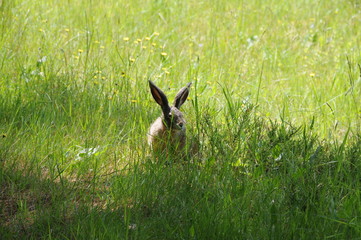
(274, 109)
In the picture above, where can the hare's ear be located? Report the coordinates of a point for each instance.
(181, 96)
(159, 97)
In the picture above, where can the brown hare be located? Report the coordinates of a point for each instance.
(168, 133)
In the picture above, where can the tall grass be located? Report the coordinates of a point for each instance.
(274, 109)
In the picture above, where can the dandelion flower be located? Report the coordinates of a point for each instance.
(132, 59)
(103, 78)
(166, 72)
(97, 42)
(156, 33)
(154, 44)
(41, 30)
(163, 54)
(139, 40)
(80, 50)
(144, 47)
(134, 101)
(102, 47)
(67, 30)
(312, 74)
(76, 57)
(126, 39)
(147, 38)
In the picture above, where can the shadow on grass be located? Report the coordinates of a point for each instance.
(35, 208)
(257, 181)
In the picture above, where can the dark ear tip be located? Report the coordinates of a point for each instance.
(152, 85)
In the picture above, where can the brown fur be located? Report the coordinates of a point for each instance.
(168, 132)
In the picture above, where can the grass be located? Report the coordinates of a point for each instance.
(274, 107)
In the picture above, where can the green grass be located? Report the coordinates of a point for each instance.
(274, 108)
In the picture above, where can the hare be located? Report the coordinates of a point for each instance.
(168, 132)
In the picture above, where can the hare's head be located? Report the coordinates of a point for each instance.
(172, 116)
